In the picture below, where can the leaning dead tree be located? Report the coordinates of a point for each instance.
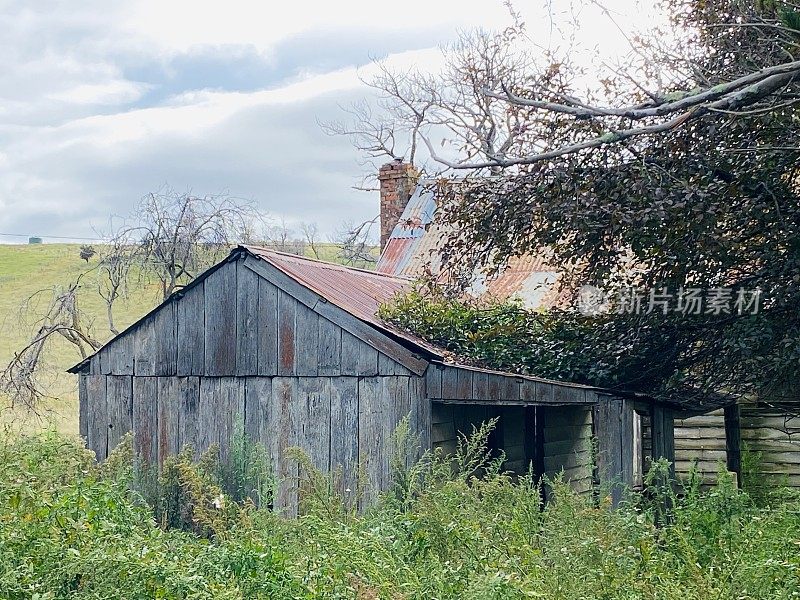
(20, 380)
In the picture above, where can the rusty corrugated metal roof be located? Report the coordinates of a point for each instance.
(357, 291)
(417, 241)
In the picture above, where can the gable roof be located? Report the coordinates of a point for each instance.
(417, 241)
(356, 291)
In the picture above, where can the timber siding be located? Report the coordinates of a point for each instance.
(290, 350)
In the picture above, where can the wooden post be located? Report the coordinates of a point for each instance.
(613, 424)
(733, 444)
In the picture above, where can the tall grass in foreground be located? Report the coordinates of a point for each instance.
(71, 529)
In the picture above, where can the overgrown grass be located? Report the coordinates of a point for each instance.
(71, 529)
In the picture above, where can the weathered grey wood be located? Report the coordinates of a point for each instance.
(389, 366)
(280, 431)
(733, 441)
(367, 360)
(495, 387)
(433, 381)
(145, 419)
(119, 391)
(344, 435)
(220, 328)
(340, 317)
(144, 350)
(330, 348)
(230, 416)
(95, 367)
(464, 380)
(510, 388)
(189, 404)
(247, 320)
(267, 328)
(83, 408)
(450, 383)
(282, 281)
(165, 331)
(190, 309)
(373, 436)
(118, 357)
(545, 392)
(169, 425)
(420, 414)
(103, 359)
(372, 337)
(314, 431)
(97, 415)
(306, 341)
(612, 438)
(480, 385)
(286, 333)
(208, 417)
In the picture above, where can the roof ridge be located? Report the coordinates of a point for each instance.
(326, 263)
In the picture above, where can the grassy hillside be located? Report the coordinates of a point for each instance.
(31, 271)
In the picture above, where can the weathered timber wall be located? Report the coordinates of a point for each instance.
(771, 444)
(236, 323)
(343, 423)
(700, 439)
(568, 445)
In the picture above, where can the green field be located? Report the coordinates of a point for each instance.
(28, 269)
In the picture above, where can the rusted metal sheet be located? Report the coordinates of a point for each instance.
(417, 241)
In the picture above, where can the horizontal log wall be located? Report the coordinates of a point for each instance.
(770, 447)
(700, 439)
(343, 423)
(568, 445)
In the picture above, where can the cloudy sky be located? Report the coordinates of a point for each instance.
(103, 101)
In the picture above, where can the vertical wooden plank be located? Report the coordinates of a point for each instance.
(350, 352)
(190, 316)
(279, 430)
(464, 383)
(344, 435)
(314, 428)
(433, 381)
(330, 348)
(450, 383)
(95, 367)
(220, 315)
(306, 341)
(230, 412)
(208, 417)
(733, 441)
(144, 358)
(247, 313)
(372, 435)
(120, 408)
(119, 357)
(145, 419)
(104, 360)
(188, 406)
(367, 360)
(287, 307)
(168, 418)
(97, 415)
(480, 385)
(164, 327)
(83, 407)
(420, 414)
(495, 386)
(545, 392)
(267, 328)
(607, 431)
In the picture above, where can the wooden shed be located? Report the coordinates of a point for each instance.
(292, 348)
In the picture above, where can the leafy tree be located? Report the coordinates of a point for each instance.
(679, 172)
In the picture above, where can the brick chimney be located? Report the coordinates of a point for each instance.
(398, 180)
